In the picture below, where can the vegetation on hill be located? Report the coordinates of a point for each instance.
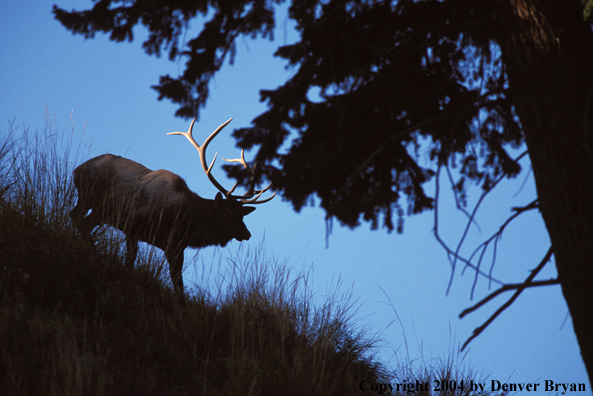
(75, 321)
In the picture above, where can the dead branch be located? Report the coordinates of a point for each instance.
(519, 289)
(449, 251)
(469, 222)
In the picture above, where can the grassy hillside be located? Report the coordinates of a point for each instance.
(75, 321)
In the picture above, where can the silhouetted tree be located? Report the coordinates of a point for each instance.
(380, 85)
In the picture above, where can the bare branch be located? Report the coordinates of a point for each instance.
(457, 203)
(442, 242)
(528, 283)
(496, 237)
(506, 288)
(486, 192)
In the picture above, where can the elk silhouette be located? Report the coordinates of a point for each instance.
(157, 207)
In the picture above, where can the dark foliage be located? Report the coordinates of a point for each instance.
(378, 85)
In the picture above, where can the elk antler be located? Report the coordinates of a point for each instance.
(246, 198)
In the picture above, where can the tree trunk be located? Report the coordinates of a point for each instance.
(548, 52)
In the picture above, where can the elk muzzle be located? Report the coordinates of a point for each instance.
(243, 235)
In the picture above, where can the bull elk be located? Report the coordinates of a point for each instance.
(157, 207)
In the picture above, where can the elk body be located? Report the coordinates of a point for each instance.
(157, 207)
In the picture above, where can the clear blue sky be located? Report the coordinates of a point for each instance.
(100, 92)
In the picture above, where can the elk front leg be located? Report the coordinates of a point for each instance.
(175, 259)
(132, 247)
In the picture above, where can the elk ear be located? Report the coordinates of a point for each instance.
(218, 200)
(247, 209)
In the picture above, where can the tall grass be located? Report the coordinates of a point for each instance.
(75, 321)
(36, 174)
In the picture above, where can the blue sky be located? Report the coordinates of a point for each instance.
(99, 92)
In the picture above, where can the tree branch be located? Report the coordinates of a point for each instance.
(442, 242)
(496, 237)
(486, 192)
(505, 288)
(419, 125)
(457, 203)
(520, 287)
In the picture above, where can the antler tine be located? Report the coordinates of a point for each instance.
(202, 152)
(251, 192)
(239, 160)
(254, 201)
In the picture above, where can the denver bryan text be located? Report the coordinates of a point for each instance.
(548, 386)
